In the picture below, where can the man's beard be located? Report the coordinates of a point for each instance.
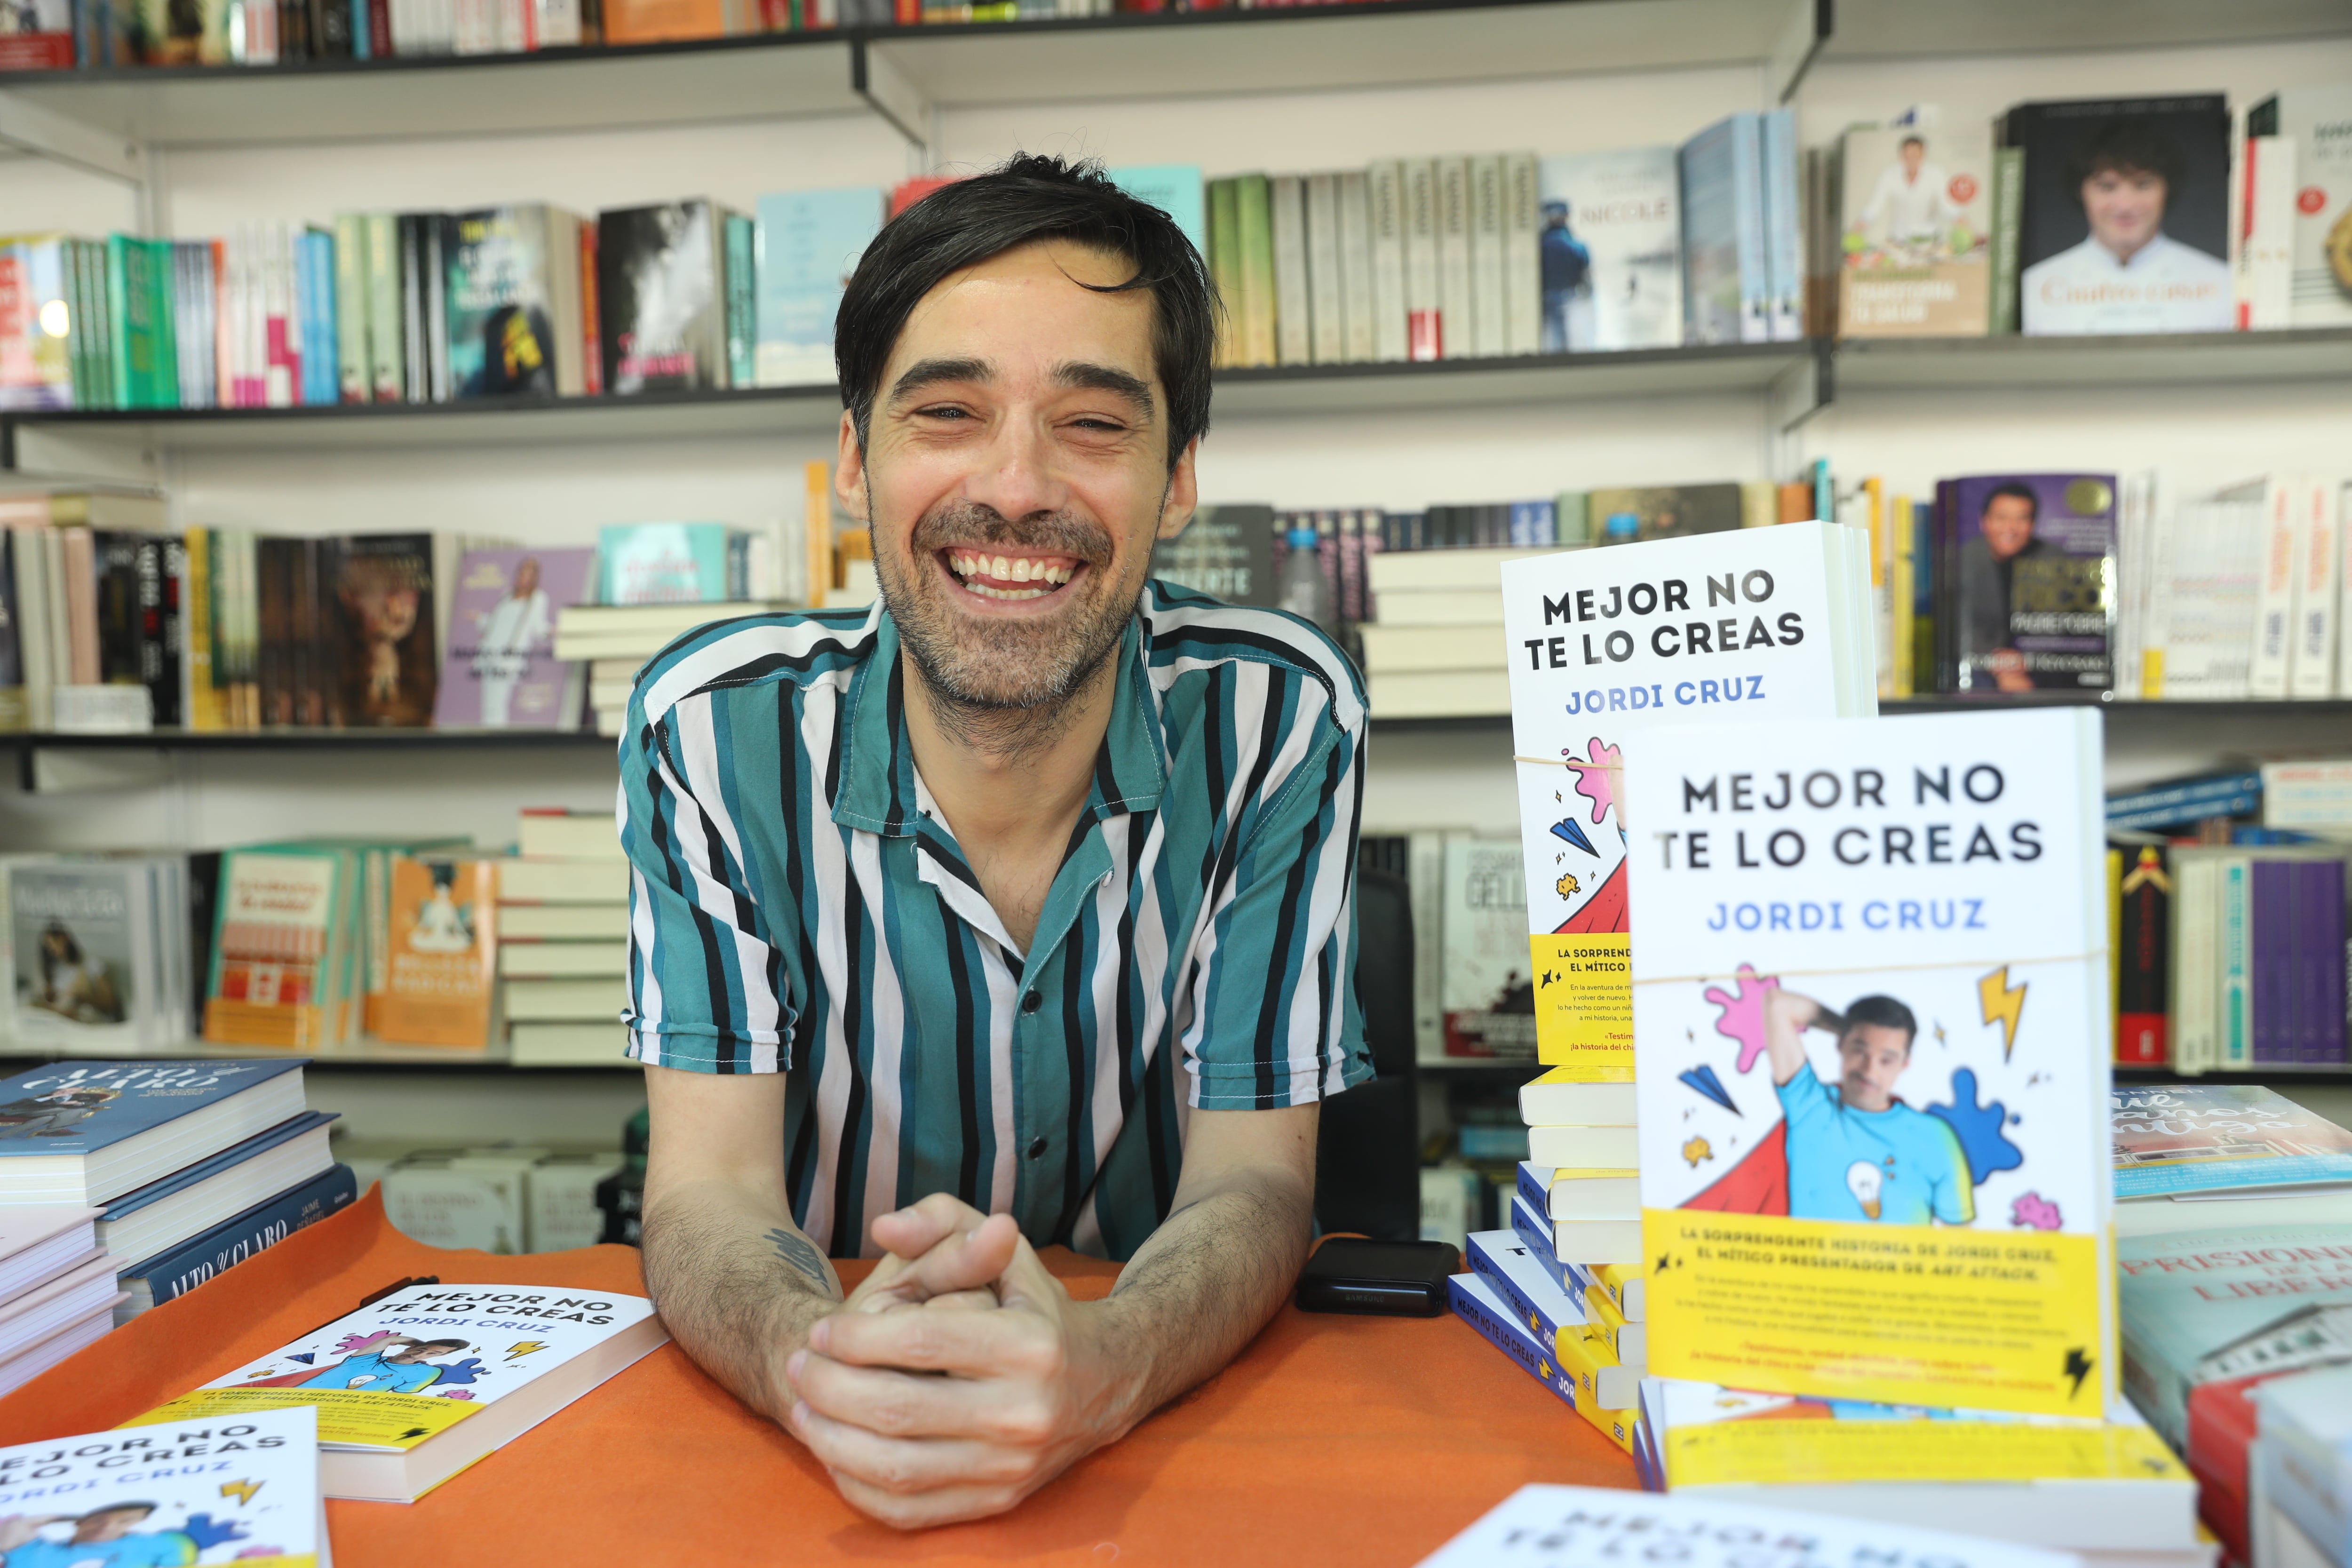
(1003, 685)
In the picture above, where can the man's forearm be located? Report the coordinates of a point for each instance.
(738, 1285)
(1201, 1287)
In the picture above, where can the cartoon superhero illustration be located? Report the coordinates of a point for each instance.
(108, 1538)
(384, 1364)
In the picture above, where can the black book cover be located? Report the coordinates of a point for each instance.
(660, 298)
(203, 889)
(415, 381)
(294, 30)
(1226, 552)
(274, 607)
(2143, 958)
(380, 654)
(12, 656)
(172, 637)
(330, 29)
(301, 669)
(117, 556)
(149, 627)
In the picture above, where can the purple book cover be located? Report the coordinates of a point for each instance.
(501, 672)
(2274, 951)
(2324, 1001)
(2029, 560)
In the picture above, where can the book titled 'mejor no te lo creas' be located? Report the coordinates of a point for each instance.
(415, 1387)
(1609, 647)
(1869, 1011)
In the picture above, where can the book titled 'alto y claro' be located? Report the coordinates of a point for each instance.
(1870, 1014)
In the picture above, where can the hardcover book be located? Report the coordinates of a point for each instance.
(2319, 121)
(1226, 552)
(87, 1132)
(1607, 647)
(2125, 217)
(1914, 231)
(661, 298)
(1609, 250)
(413, 1389)
(185, 1264)
(2027, 563)
(2177, 1138)
(1869, 1013)
(809, 244)
(501, 672)
(247, 1493)
(381, 663)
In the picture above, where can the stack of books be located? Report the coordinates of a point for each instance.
(56, 1287)
(175, 1172)
(2302, 1469)
(499, 1198)
(564, 912)
(618, 640)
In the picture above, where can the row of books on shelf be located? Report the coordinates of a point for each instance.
(318, 943)
(60, 35)
(110, 622)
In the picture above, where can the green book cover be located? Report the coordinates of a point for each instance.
(2008, 224)
(1253, 226)
(351, 382)
(387, 353)
(742, 301)
(1224, 266)
(120, 250)
(164, 354)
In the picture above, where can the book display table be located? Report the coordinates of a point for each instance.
(1330, 1439)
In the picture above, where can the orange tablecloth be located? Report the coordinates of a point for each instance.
(1366, 1440)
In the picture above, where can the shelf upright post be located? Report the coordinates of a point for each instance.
(1799, 393)
(1802, 37)
(875, 77)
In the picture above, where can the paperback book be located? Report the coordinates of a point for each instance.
(244, 1491)
(809, 244)
(2177, 1138)
(501, 672)
(662, 296)
(1608, 646)
(439, 979)
(1870, 1007)
(414, 1388)
(2031, 561)
(1916, 227)
(1610, 251)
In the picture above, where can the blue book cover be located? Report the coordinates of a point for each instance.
(1475, 1302)
(1783, 257)
(1725, 277)
(79, 1107)
(234, 1154)
(1525, 1285)
(662, 564)
(1175, 189)
(2177, 1138)
(258, 1228)
(807, 245)
(1535, 1233)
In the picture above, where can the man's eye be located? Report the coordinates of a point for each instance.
(946, 411)
(1090, 423)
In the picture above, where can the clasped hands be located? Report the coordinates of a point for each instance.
(958, 1378)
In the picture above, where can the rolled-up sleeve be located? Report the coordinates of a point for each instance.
(706, 987)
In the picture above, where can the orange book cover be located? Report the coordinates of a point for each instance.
(655, 21)
(438, 983)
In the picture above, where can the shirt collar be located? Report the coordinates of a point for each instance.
(877, 789)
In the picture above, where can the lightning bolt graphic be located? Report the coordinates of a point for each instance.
(241, 1490)
(2003, 1002)
(526, 1348)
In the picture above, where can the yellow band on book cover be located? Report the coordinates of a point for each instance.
(1591, 1173)
(1584, 1005)
(1900, 1314)
(1584, 1359)
(345, 1415)
(1813, 1451)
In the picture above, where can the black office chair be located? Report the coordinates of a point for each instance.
(1367, 1152)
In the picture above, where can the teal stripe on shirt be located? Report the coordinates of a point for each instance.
(797, 902)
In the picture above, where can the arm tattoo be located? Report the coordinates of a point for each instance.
(796, 1251)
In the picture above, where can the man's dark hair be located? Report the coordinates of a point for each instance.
(1888, 1013)
(2129, 143)
(1919, 142)
(2016, 492)
(453, 1344)
(1026, 198)
(116, 1508)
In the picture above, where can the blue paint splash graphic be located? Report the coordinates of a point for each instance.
(1574, 831)
(1702, 1078)
(1978, 1128)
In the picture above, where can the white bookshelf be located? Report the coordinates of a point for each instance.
(200, 152)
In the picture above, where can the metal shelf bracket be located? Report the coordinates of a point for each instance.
(45, 134)
(875, 77)
(1806, 34)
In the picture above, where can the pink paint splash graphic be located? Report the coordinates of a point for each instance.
(2034, 1212)
(352, 1345)
(1741, 1019)
(1597, 778)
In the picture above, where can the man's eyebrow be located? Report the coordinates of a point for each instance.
(1084, 375)
(931, 372)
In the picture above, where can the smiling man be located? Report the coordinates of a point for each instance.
(1014, 912)
(2127, 275)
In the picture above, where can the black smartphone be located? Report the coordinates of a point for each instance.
(1390, 1279)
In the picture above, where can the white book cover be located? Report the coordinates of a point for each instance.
(1489, 274)
(1609, 645)
(1456, 291)
(1360, 339)
(1326, 289)
(1294, 319)
(2317, 613)
(2319, 120)
(1588, 1527)
(1871, 1013)
(2285, 524)
(1522, 257)
(407, 1368)
(2210, 595)
(1611, 251)
(243, 1491)
(1385, 192)
(2266, 232)
(1482, 925)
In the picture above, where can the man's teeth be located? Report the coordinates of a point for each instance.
(1007, 569)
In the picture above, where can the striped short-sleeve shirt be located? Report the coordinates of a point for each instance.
(799, 904)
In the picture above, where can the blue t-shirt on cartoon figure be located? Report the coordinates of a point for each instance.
(1896, 1166)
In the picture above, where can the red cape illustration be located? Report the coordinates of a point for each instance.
(1758, 1185)
(1603, 911)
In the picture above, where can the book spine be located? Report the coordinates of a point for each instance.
(204, 711)
(1326, 286)
(1260, 336)
(1540, 1321)
(1755, 269)
(2143, 947)
(1294, 319)
(1522, 255)
(1489, 274)
(353, 383)
(1384, 194)
(1456, 291)
(437, 307)
(2317, 614)
(1225, 267)
(2194, 958)
(1424, 302)
(2327, 967)
(1535, 1233)
(2008, 229)
(1783, 240)
(416, 385)
(742, 301)
(2274, 611)
(147, 566)
(2266, 282)
(1358, 345)
(118, 296)
(1507, 1337)
(2235, 1042)
(591, 341)
(2270, 962)
(256, 1230)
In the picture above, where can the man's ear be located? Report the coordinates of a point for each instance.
(1183, 497)
(849, 471)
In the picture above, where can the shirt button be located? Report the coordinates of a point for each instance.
(1036, 1145)
(1032, 1002)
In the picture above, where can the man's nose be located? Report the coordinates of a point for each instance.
(1016, 474)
